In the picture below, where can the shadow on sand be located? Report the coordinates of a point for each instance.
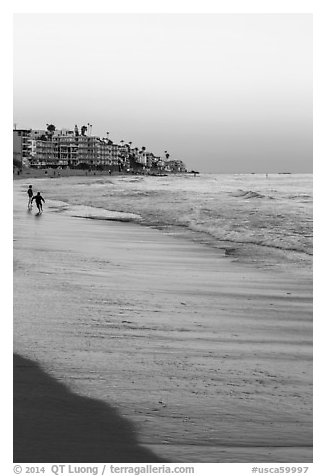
(52, 424)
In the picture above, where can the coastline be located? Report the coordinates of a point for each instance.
(55, 173)
(210, 360)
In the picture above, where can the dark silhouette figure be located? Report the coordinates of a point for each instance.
(54, 425)
(38, 199)
(30, 196)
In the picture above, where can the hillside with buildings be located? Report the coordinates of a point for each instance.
(79, 149)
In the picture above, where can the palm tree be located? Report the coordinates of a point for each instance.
(50, 129)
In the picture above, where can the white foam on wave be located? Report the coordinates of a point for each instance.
(248, 194)
(95, 213)
(236, 210)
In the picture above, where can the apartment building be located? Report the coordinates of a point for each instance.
(175, 166)
(65, 150)
(22, 146)
(42, 154)
(68, 148)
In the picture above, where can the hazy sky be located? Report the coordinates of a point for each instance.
(223, 93)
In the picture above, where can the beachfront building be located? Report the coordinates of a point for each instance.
(160, 163)
(149, 159)
(141, 159)
(102, 157)
(17, 150)
(62, 150)
(43, 154)
(123, 156)
(86, 150)
(115, 153)
(22, 146)
(67, 148)
(38, 133)
(174, 166)
(32, 148)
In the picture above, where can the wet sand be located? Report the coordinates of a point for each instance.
(210, 361)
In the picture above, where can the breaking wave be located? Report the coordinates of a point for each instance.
(240, 211)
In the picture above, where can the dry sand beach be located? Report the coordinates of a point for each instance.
(200, 358)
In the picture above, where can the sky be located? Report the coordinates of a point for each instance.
(224, 93)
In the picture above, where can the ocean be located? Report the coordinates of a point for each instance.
(262, 221)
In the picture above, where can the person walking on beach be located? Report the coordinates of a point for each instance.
(39, 199)
(30, 196)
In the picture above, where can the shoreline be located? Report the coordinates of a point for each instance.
(249, 253)
(223, 351)
(57, 174)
